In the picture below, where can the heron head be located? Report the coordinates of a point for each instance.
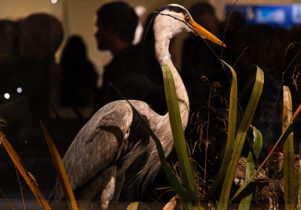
(174, 19)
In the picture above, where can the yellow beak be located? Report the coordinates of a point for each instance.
(204, 33)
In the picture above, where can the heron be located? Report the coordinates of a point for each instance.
(106, 147)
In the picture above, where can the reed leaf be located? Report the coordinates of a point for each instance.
(280, 139)
(133, 206)
(288, 153)
(177, 131)
(171, 177)
(29, 179)
(230, 134)
(245, 202)
(57, 161)
(240, 138)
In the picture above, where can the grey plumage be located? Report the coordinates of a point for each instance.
(105, 141)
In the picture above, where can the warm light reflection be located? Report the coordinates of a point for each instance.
(53, 1)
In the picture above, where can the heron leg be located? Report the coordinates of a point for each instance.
(119, 185)
(103, 183)
(108, 188)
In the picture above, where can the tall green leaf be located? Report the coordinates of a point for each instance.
(245, 203)
(288, 153)
(230, 135)
(177, 131)
(240, 138)
(280, 139)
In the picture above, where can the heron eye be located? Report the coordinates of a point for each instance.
(187, 18)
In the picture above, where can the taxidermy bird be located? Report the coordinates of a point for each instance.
(104, 150)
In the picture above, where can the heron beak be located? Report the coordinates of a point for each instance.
(204, 33)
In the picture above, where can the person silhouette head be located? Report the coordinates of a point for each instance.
(116, 24)
(44, 32)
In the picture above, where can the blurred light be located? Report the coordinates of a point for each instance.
(19, 90)
(53, 1)
(140, 11)
(6, 96)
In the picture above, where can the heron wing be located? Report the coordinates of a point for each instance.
(96, 145)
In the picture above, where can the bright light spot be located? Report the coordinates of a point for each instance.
(19, 90)
(140, 11)
(6, 96)
(53, 1)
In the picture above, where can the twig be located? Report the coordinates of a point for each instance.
(207, 134)
(240, 55)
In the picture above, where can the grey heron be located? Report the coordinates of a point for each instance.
(107, 146)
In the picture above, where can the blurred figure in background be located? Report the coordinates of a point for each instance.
(132, 70)
(79, 75)
(26, 63)
(44, 33)
(32, 43)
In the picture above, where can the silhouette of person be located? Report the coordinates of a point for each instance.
(36, 38)
(44, 33)
(133, 71)
(79, 76)
(14, 86)
(26, 58)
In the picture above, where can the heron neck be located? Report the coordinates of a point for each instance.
(163, 56)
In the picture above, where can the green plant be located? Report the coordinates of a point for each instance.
(280, 139)
(245, 202)
(240, 138)
(288, 153)
(235, 141)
